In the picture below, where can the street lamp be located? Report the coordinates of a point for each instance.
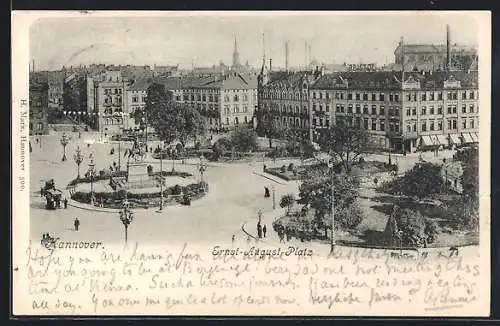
(126, 216)
(78, 160)
(64, 141)
(91, 174)
(259, 213)
(202, 169)
(161, 180)
(274, 199)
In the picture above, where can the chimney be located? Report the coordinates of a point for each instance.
(286, 55)
(306, 62)
(270, 64)
(448, 47)
(33, 65)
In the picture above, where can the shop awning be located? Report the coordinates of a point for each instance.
(475, 137)
(426, 141)
(442, 140)
(467, 138)
(455, 139)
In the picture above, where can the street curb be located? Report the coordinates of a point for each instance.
(269, 178)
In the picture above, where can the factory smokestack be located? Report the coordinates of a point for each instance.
(270, 64)
(305, 52)
(448, 47)
(286, 55)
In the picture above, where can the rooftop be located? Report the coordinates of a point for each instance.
(435, 48)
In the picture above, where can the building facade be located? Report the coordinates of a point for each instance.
(109, 101)
(283, 99)
(38, 108)
(55, 81)
(428, 110)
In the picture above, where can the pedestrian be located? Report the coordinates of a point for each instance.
(76, 224)
(264, 230)
(266, 192)
(249, 239)
(37, 140)
(233, 239)
(65, 203)
(259, 231)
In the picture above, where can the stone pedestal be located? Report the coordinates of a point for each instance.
(137, 171)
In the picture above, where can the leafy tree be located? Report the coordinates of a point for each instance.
(267, 126)
(316, 193)
(172, 120)
(344, 142)
(221, 147)
(244, 140)
(464, 213)
(469, 157)
(287, 201)
(409, 228)
(422, 180)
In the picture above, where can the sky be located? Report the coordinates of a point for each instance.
(204, 39)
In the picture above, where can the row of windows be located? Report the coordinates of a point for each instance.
(438, 125)
(113, 121)
(109, 91)
(358, 122)
(135, 99)
(198, 97)
(236, 109)
(451, 109)
(286, 95)
(410, 96)
(340, 108)
(237, 120)
(111, 111)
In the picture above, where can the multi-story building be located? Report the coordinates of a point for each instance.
(284, 100)
(38, 107)
(76, 96)
(109, 101)
(226, 101)
(55, 81)
(425, 110)
(135, 100)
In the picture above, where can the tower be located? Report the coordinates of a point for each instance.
(236, 55)
(286, 56)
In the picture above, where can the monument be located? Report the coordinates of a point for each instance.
(137, 171)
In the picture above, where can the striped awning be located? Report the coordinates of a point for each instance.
(442, 140)
(455, 139)
(475, 137)
(467, 138)
(426, 141)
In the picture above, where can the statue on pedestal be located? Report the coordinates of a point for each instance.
(136, 152)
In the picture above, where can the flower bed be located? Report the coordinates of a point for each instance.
(174, 194)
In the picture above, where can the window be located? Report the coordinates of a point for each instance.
(471, 108)
(431, 96)
(357, 96)
(424, 110)
(464, 124)
(414, 127)
(440, 110)
(396, 97)
(424, 126)
(374, 97)
(337, 96)
(464, 108)
(236, 109)
(431, 109)
(382, 97)
(341, 96)
(320, 95)
(338, 108)
(327, 95)
(408, 128)
(358, 122)
(365, 122)
(365, 97)
(396, 112)
(245, 98)
(365, 109)
(314, 94)
(198, 97)
(314, 106)
(471, 124)
(449, 96)
(382, 110)
(349, 108)
(391, 97)
(349, 96)
(245, 108)
(396, 127)
(382, 125)
(455, 95)
(374, 124)
(204, 98)
(449, 124)
(414, 111)
(454, 124)
(408, 112)
(440, 96)
(449, 110)
(358, 109)
(464, 95)
(431, 125)
(471, 95)
(424, 97)
(235, 98)
(440, 125)
(408, 97)
(374, 109)
(454, 109)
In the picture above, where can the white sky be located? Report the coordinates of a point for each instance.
(207, 38)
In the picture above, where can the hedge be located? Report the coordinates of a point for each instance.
(102, 176)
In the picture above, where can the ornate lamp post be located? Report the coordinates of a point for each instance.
(64, 141)
(161, 180)
(78, 160)
(91, 174)
(202, 169)
(259, 214)
(274, 199)
(126, 217)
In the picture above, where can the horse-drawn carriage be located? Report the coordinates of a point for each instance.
(53, 197)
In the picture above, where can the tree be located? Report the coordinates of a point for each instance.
(422, 180)
(221, 147)
(316, 193)
(469, 157)
(244, 140)
(408, 228)
(287, 201)
(171, 120)
(344, 142)
(267, 126)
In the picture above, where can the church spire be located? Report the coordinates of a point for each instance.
(236, 55)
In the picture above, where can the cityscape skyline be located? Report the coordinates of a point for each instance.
(205, 40)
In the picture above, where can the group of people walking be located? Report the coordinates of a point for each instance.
(261, 231)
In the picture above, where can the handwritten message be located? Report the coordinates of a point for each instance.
(270, 281)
